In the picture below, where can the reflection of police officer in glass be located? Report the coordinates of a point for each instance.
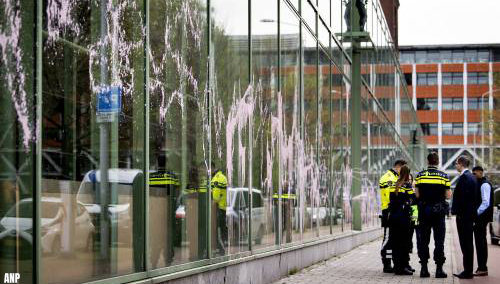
(388, 184)
(432, 189)
(287, 200)
(219, 195)
(360, 4)
(400, 212)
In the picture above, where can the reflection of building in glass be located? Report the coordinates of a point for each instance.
(224, 144)
(455, 89)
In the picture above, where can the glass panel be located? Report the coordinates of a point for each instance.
(446, 56)
(323, 35)
(337, 16)
(458, 128)
(482, 78)
(421, 79)
(472, 103)
(337, 151)
(433, 129)
(433, 56)
(407, 57)
(472, 78)
(93, 141)
(447, 128)
(178, 172)
(231, 113)
(458, 78)
(447, 103)
(309, 15)
(458, 56)
(471, 55)
(265, 157)
(324, 129)
(431, 79)
(309, 180)
(289, 103)
(17, 128)
(446, 78)
(458, 104)
(483, 56)
(421, 56)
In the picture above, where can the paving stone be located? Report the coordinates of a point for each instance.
(362, 265)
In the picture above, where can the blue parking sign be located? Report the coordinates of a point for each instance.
(109, 99)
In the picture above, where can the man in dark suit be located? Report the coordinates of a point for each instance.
(465, 208)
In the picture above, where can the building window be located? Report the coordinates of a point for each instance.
(452, 78)
(447, 128)
(426, 79)
(433, 129)
(475, 78)
(407, 57)
(473, 128)
(425, 128)
(458, 128)
(421, 56)
(458, 56)
(427, 104)
(452, 103)
(483, 56)
(446, 56)
(477, 103)
(471, 55)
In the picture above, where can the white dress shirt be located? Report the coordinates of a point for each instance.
(485, 197)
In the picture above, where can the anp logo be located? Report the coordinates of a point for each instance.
(11, 277)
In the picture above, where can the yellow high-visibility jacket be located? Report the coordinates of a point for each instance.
(219, 189)
(387, 185)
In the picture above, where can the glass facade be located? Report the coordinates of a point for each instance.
(446, 56)
(142, 138)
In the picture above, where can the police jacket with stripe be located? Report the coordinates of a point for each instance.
(432, 185)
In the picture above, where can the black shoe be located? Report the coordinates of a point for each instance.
(387, 266)
(424, 271)
(403, 271)
(440, 272)
(410, 268)
(481, 272)
(464, 275)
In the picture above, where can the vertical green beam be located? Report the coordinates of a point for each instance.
(38, 145)
(278, 233)
(250, 130)
(208, 230)
(147, 264)
(356, 122)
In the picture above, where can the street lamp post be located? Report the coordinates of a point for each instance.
(482, 124)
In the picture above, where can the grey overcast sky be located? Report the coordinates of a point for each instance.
(449, 21)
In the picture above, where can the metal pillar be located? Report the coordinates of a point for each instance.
(356, 121)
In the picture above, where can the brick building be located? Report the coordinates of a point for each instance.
(450, 85)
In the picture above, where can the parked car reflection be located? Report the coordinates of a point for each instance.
(18, 223)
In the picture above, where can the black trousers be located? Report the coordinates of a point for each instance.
(400, 229)
(481, 244)
(430, 221)
(386, 251)
(222, 228)
(410, 237)
(465, 237)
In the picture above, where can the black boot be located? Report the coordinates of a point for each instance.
(440, 272)
(402, 271)
(410, 268)
(387, 266)
(424, 271)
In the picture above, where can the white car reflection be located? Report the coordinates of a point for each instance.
(238, 214)
(121, 186)
(19, 221)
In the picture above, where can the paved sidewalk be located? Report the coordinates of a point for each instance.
(363, 265)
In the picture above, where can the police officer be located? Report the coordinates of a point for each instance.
(388, 184)
(400, 211)
(432, 190)
(288, 198)
(219, 195)
(362, 14)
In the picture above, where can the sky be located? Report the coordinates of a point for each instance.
(449, 22)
